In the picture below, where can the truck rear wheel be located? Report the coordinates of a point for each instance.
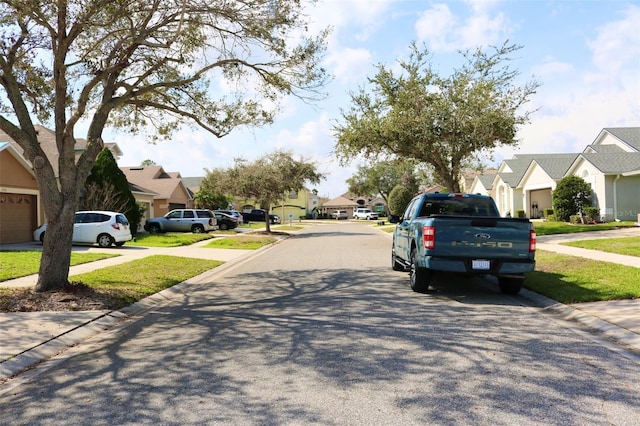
(510, 285)
(418, 277)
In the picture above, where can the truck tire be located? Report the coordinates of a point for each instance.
(419, 278)
(395, 265)
(154, 228)
(510, 285)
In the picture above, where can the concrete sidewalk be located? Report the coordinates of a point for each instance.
(27, 338)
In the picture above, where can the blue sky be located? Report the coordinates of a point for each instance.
(586, 54)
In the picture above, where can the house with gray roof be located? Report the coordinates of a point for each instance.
(610, 164)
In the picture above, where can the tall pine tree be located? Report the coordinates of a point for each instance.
(107, 188)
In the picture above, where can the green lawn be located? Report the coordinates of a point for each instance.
(569, 279)
(16, 264)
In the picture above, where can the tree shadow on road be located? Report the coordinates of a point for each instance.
(278, 346)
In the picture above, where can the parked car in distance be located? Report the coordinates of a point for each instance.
(233, 213)
(225, 221)
(340, 214)
(89, 227)
(258, 215)
(183, 220)
(365, 214)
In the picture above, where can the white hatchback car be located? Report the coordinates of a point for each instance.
(102, 227)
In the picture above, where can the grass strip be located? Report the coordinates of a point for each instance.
(169, 239)
(132, 281)
(16, 264)
(552, 228)
(241, 242)
(570, 279)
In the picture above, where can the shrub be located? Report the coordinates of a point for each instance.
(593, 213)
(570, 197)
(550, 218)
(547, 212)
(575, 218)
(520, 214)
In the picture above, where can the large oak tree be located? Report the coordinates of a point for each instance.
(140, 65)
(444, 121)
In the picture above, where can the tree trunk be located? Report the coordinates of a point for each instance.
(267, 220)
(56, 252)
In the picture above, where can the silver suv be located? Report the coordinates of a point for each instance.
(340, 214)
(183, 220)
(365, 214)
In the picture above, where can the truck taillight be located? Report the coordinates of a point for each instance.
(429, 237)
(532, 241)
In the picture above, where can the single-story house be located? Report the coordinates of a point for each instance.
(611, 165)
(350, 202)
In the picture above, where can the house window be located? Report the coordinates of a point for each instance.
(293, 195)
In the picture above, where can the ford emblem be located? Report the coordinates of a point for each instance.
(483, 236)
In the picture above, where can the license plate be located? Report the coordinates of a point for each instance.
(481, 264)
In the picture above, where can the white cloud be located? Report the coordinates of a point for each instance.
(551, 67)
(444, 31)
(483, 30)
(361, 17)
(349, 65)
(435, 26)
(616, 50)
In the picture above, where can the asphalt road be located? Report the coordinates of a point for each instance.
(319, 330)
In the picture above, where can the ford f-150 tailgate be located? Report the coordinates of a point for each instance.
(478, 237)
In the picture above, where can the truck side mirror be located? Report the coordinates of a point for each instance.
(394, 218)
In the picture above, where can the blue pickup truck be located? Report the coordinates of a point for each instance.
(461, 233)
